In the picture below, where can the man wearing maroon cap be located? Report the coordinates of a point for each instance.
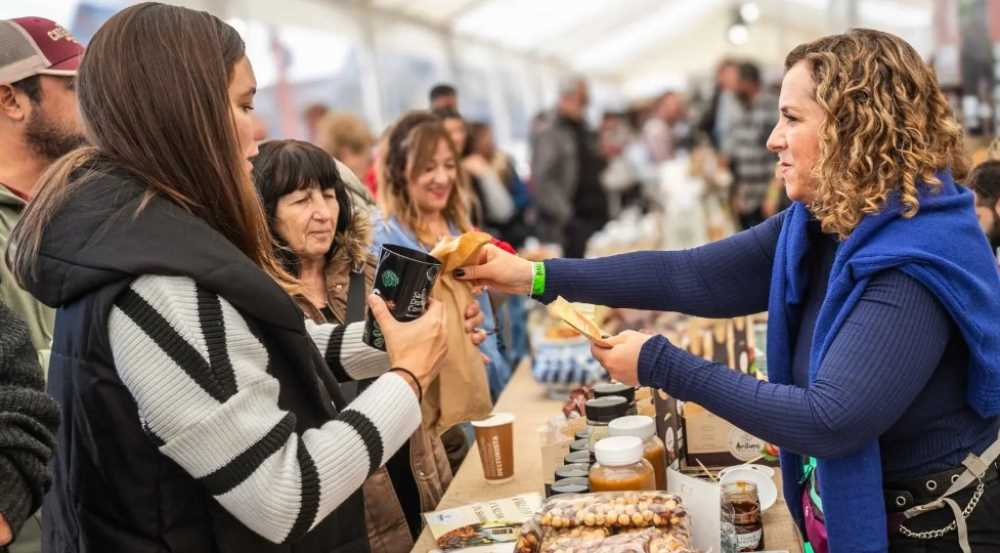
(39, 122)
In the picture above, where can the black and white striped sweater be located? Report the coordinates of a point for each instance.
(199, 377)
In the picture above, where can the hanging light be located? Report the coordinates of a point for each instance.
(738, 34)
(749, 12)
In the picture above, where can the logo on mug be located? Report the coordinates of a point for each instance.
(390, 279)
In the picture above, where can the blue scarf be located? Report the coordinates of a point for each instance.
(941, 247)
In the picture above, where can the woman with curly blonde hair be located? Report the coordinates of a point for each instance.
(883, 302)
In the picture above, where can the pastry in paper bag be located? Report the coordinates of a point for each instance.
(565, 311)
(463, 375)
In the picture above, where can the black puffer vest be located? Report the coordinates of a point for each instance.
(113, 491)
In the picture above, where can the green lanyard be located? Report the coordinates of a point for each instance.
(809, 474)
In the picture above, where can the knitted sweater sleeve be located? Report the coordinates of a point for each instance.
(347, 356)
(727, 278)
(28, 420)
(883, 356)
(200, 380)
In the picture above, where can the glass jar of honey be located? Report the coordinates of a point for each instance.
(621, 467)
(654, 451)
(742, 496)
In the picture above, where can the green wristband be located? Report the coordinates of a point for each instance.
(538, 282)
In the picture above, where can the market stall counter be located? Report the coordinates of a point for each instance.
(527, 400)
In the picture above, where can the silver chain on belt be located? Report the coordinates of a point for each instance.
(941, 532)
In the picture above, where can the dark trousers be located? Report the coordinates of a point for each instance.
(576, 234)
(983, 523)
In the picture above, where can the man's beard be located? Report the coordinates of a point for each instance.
(49, 139)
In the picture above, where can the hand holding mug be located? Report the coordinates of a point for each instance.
(418, 345)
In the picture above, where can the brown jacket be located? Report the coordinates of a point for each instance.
(387, 528)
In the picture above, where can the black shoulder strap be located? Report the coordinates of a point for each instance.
(356, 298)
(355, 312)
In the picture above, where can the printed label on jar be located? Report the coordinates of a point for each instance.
(749, 541)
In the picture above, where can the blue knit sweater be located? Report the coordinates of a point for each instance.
(895, 371)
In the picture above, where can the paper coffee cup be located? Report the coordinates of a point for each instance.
(495, 439)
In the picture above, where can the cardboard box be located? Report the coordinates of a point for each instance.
(692, 433)
(715, 442)
(670, 426)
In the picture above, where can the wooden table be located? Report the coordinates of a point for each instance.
(526, 399)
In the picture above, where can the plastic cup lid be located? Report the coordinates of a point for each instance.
(618, 451)
(497, 419)
(639, 426)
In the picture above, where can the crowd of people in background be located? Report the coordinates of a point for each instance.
(328, 204)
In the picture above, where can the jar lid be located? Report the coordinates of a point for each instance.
(639, 426)
(618, 451)
(578, 457)
(585, 433)
(742, 489)
(576, 470)
(582, 444)
(606, 389)
(606, 409)
(571, 485)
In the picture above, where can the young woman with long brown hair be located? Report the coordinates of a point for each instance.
(198, 413)
(883, 303)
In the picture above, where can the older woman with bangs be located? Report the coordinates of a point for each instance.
(324, 240)
(883, 301)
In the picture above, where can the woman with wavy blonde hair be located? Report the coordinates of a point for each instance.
(424, 197)
(883, 302)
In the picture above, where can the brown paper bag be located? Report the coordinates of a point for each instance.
(461, 391)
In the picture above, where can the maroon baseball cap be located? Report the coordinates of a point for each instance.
(36, 46)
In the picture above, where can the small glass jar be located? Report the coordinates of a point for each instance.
(579, 457)
(606, 389)
(600, 412)
(654, 451)
(583, 444)
(620, 466)
(576, 470)
(571, 485)
(742, 496)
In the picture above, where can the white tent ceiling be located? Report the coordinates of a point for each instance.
(637, 41)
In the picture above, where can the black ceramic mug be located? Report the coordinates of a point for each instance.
(404, 278)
